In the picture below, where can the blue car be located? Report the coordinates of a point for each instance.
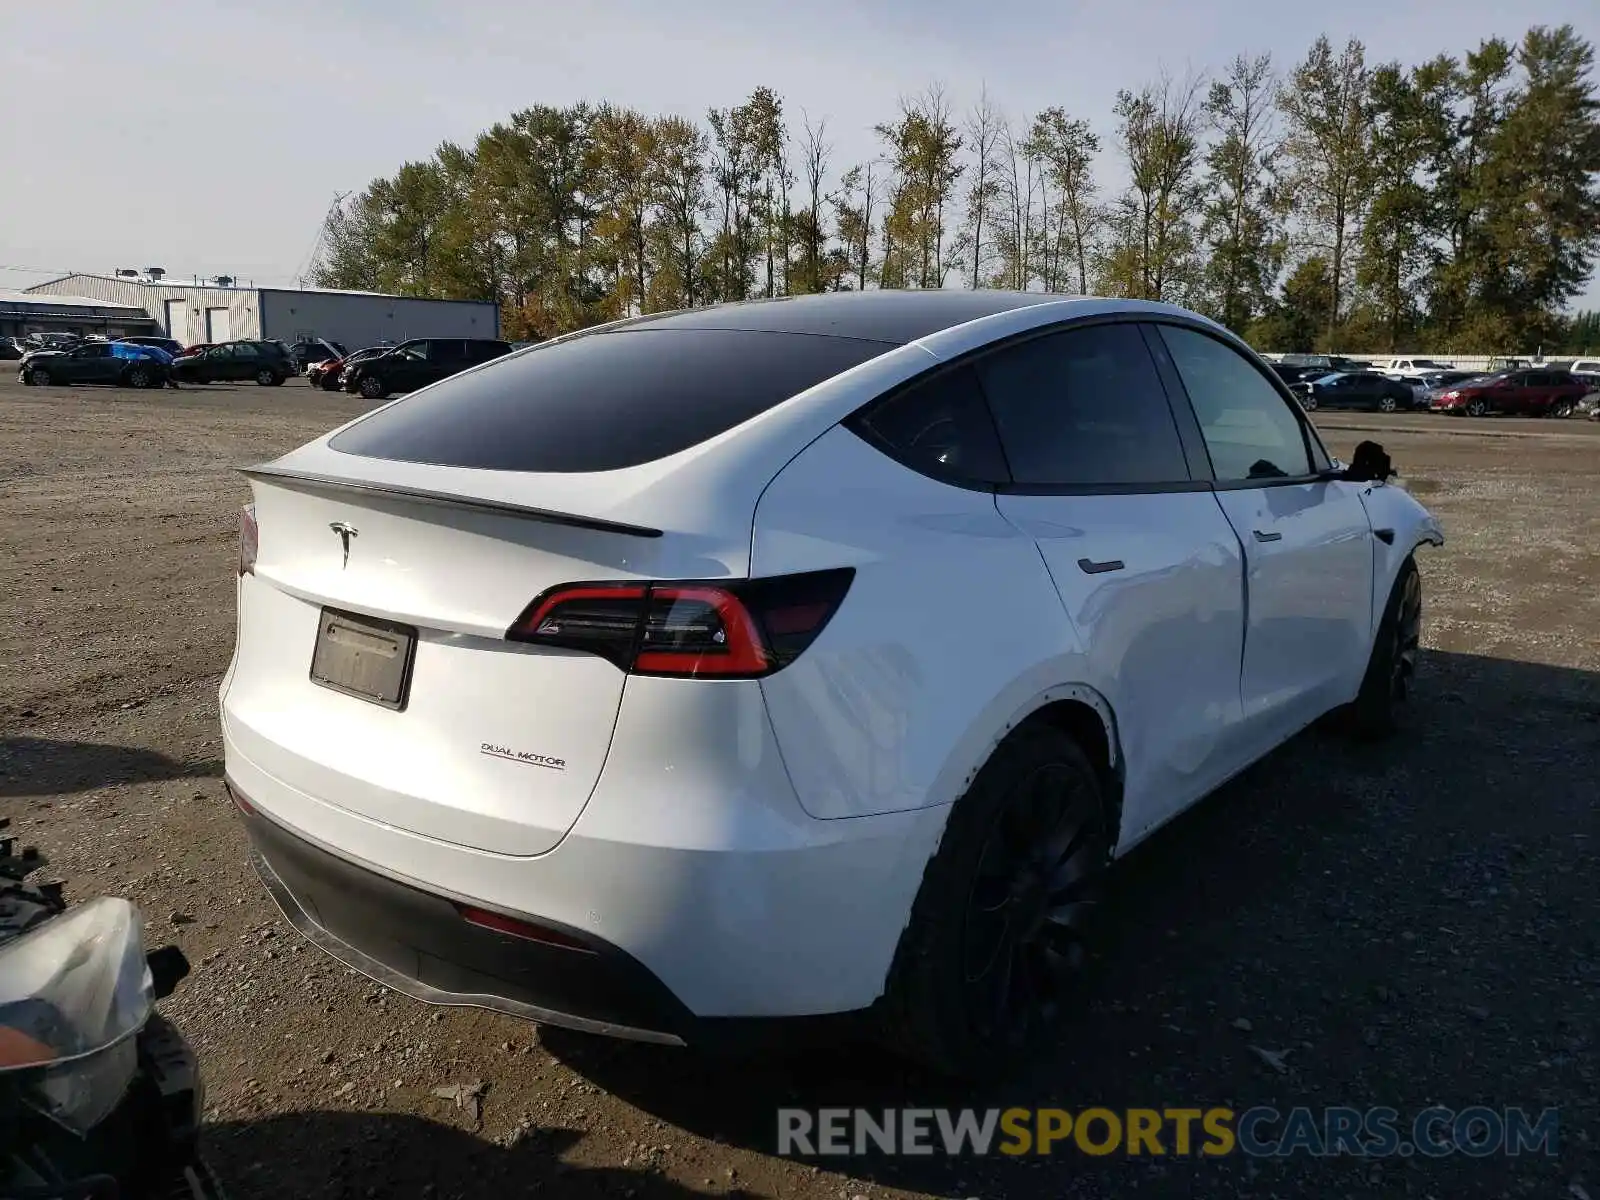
(123, 364)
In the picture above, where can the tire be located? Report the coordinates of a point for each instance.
(138, 377)
(1563, 409)
(1390, 681)
(1309, 402)
(277, 380)
(1387, 404)
(266, 377)
(959, 998)
(40, 377)
(1477, 408)
(371, 388)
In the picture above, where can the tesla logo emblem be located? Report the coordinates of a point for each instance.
(346, 532)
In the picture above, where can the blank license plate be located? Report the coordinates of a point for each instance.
(364, 657)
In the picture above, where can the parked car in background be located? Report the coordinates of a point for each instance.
(1354, 389)
(417, 363)
(1586, 371)
(117, 363)
(268, 363)
(1513, 393)
(1408, 368)
(325, 374)
(315, 350)
(1306, 360)
(171, 345)
(1340, 363)
(1293, 374)
(1426, 387)
(1589, 406)
(10, 349)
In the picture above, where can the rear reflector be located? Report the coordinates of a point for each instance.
(484, 919)
(724, 630)
(249, 540)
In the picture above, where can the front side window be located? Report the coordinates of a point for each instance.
(1249, 429)
(1083, 407)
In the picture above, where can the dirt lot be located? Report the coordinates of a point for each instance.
(1410, 925)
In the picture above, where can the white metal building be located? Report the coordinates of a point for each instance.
(202, 311)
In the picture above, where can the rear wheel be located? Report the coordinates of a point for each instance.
(372, 388)
(138, 377)
(998, 933)
(1386, 404)
(1390, 680)
(1563, 408)
(266, 377)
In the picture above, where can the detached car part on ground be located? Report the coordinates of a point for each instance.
(794, 667)
(121, 364)
(99, 1096)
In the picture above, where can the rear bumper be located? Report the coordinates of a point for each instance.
(419, 944)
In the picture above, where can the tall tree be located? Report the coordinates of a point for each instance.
(1151, 253)
(1326, 107)
(1017, 237)
(1412, 128)
(1065, 150)
(855, 214)
(924, 146)
(738, 170)
(1241, 232)
(984, 131)
(679, 171)
(809, 228)
(1541, 188)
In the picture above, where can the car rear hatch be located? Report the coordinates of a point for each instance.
(373, 671)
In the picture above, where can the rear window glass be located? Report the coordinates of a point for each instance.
(603, 402)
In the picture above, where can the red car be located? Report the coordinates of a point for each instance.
(1523, 393)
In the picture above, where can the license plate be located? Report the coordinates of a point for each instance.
(364, 657)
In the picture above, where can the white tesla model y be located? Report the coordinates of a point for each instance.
(808, 658)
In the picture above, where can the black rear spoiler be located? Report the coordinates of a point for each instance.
(338, 485)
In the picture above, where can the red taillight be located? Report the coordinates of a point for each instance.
(720, 630)
(249, 540)
(484, 919)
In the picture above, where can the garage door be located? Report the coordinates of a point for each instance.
(217, 328)
(178, 320)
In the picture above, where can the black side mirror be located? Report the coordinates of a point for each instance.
(1369, 464)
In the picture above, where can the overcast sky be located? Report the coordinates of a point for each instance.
(209, 136)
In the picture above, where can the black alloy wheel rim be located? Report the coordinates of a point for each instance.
(1038, 882)
(1407, 639)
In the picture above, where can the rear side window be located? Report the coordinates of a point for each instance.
(604, 401)
(1084, 407)
(940, 428)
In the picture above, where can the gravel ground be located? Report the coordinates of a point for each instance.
(1408, 925)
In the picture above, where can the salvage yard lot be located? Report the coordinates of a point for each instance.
(1412, 924)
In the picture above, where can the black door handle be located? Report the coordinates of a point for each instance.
(1268, 537)
(1089, 567)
